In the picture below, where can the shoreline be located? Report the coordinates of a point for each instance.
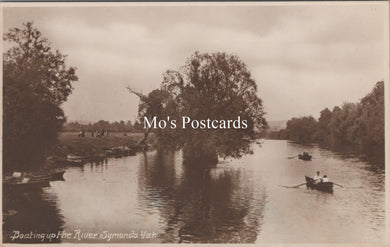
(93, 148)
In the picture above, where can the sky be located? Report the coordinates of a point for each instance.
(304, 57)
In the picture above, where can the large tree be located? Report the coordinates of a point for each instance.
(212, 86)
(36, 82)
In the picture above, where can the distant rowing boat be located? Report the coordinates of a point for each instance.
(304, 157)
(322, 186)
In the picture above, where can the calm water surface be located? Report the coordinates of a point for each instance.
(237, 201)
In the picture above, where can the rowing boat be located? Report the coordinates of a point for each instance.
(322, 186)
(76, 157)
(304, 157)
(74, 162)
(25, 186)
(50, 177)
(58, 176)
(33, 182)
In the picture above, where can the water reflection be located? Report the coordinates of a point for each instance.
(237, 201)
(34, 211)
(199, 205)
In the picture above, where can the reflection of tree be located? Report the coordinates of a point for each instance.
(35, 212)
(200, 205)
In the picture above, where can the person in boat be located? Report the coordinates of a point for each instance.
(325, 179)
(317, 178)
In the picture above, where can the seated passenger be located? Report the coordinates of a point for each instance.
(325, 179)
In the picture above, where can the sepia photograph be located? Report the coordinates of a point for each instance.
(195, 123)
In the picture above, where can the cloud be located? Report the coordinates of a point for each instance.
(304, 57)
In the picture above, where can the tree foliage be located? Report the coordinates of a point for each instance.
(215, 86)
(360, 124)
(302, 129)
(36, 81)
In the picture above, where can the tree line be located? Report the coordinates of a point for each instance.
(116, 126)
(356, 124)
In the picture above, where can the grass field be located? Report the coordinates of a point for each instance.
(69, 142)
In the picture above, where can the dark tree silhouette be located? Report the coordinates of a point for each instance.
(36, 81)
(209, 86)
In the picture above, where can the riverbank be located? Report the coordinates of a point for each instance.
(69, 142)
(88, 146)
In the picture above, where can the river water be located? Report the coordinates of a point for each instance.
(153, 197)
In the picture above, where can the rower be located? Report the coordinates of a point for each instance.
(317, 178)
(325, 179)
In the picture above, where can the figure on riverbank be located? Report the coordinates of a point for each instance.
(82, 133)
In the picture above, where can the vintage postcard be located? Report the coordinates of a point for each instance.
(195, 123)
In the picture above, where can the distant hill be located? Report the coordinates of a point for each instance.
(277, 125)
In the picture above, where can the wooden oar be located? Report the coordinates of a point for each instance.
(292, 157)
(296, 186)
(338, 185)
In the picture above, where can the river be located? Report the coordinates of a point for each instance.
(153, 197)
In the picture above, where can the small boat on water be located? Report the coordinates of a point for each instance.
(74, 162)
(31, 182)
(322, 186)
(56, 176)
(25, 185)
(77, 157)
(304, 157)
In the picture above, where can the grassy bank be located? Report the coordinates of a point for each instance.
(69, 142)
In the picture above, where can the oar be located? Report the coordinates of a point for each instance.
(338, 185)
(292, 157)
(296, 186)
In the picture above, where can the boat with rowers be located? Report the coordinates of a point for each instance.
(321, 186)
(304, 156)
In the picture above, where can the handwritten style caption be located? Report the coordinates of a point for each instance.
(80, 235)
